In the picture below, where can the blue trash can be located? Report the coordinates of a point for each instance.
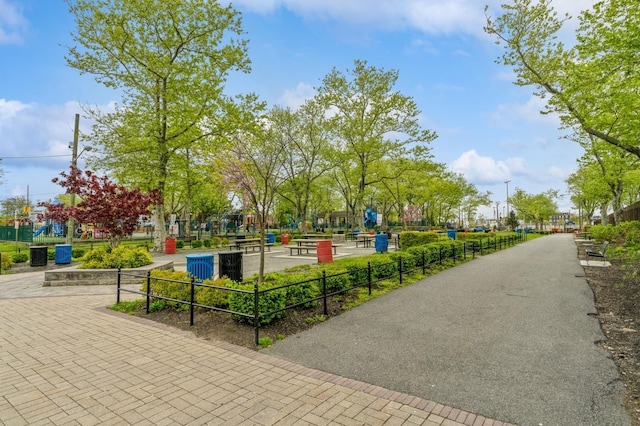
(382, 243)
(200, 266)
(62, 254)
(451, 233)
(271, 238)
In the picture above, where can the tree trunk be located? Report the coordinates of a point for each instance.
(159, 233)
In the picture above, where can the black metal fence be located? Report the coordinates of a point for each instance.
(357, 278)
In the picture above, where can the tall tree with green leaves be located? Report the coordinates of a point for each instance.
(593, 85)
(534, 207)
(588, 189)
(170, 61)
(254, 169)
(307, 157)
(370, 123)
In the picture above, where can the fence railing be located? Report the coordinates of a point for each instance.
(358, 278)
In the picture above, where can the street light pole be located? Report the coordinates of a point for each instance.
(507, 183)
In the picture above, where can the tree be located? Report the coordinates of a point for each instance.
(306, 157)
(170, 59)
(104, 203)
(534, 207)
(593, 86)
(15, 204)
(254, 169)
(588, 189)
(370, 123)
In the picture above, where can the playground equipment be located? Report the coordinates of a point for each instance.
(370, 217)
(43, 228)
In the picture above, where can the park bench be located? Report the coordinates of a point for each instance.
(186, 239)
(252, 246)
(598, 253)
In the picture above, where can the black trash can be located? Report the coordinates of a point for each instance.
(230, 265)
(38, 255)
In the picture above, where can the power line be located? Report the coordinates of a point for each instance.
(38, 156)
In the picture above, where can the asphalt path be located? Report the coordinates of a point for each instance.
(508, 335)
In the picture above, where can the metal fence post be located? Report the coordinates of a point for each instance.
(148, 290)
(193, 293)
(256, 322)
(324, 291)
(118, 284)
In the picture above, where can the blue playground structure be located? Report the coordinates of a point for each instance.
(44, 228)
(370, 217)
(50, 227)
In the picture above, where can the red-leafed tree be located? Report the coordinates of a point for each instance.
(104, 203)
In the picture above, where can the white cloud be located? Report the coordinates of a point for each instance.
(513, 115)
(295, 98)
(13, 24)
(427, 16)
(483, 170)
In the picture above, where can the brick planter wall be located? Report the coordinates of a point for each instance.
(75, 276)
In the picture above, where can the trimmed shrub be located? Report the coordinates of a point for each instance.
(631, 232)
(196, 244)
(216, 241)
(271, 301)
(5, 261)
(383, 267)
(413, 238)
(119, 257)
(602, 233)
(161, 286)
(19, 257)
(77, 252)
(215, 297)
(207, 242)
(51, 255)
(179, 244)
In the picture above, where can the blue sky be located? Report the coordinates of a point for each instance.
(489, 129)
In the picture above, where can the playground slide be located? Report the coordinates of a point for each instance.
(40, 230)
(57, 229)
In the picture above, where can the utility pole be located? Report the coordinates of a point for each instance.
(74, 163)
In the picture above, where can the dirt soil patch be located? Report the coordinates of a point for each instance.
(617, 300)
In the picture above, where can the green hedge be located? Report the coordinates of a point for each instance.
(119, 257)
(413, 238)
(268, 302)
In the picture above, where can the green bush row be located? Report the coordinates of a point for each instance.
(118, 257)
(276, 291)
(207, 242)
(415, 238)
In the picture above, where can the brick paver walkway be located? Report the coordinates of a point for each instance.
(68, 360)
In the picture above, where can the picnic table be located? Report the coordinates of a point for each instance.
(308, 244)
(365, 240)
(314, 237)
(239, 243)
